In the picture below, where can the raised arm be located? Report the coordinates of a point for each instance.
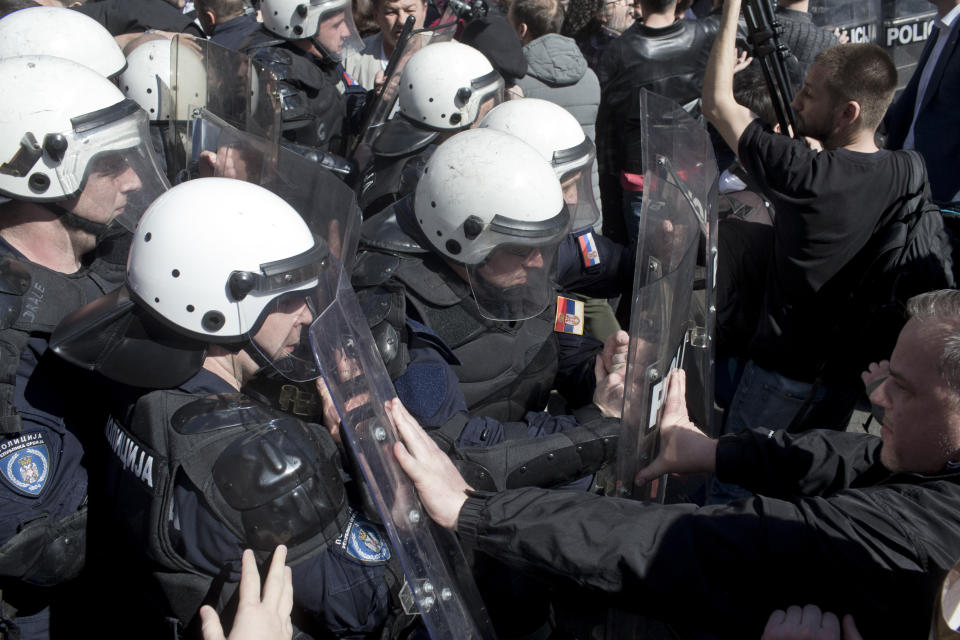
(719, 106)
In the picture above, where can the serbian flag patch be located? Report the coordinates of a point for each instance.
(588, 250)
(569, 316)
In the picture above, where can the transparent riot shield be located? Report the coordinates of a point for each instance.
(385, 101)
(438, 583)
(227, 83)
(859, 18)
(672, 320)
(325, 202)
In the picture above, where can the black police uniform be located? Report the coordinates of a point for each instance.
(313, 108)
(506, 368)
(43, 409)
(201, 472)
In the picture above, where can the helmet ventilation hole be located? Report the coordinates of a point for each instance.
(212, 321)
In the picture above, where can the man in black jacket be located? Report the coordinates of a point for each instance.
(849, 522)
(666, 56)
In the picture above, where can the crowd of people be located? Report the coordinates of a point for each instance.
(241, 241)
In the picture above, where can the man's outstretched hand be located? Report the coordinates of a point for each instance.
(683, 447)
(441, 488)
(259, 617)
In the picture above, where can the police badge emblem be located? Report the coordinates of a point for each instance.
(362, 541)
(25, 463)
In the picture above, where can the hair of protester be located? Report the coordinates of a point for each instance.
(9, 6)
(943, 307)
(222, 9)
(376, 4)
(582, 17)
(658, 6)
(540, 16)
(861, 72)
(750, 89)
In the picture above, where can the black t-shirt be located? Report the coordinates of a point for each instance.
(827, 204)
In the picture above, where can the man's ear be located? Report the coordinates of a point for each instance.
(850, 113)
(207, 20)
(522, 30)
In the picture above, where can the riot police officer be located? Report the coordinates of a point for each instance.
(62, 33)
(446, 87)
(302, 44)
(474, 251)
(75, 165)
(223, 280)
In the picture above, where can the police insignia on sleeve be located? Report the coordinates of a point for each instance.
(25, 463)
(363, 541)
(569, 317)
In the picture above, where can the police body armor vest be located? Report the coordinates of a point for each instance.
(389, 178)
(33, 300)
(312, 109)
(267, 477)
(507, 368)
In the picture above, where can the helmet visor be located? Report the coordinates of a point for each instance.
(109, 160)
(514, 282)
(486, 92)
(337, 33)
(574, 168)
(516, 279)
(301, 288)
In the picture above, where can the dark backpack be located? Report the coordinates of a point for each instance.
(907, 255)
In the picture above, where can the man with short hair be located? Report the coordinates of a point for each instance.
(849, 522)
(924, 117)
(816, 329)
(226, 22)
(75, 161)
(367, 65)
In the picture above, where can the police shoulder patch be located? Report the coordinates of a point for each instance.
(569, 318)
(25, 463)
(363, 541)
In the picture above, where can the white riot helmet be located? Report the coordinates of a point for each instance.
(213, 257)
(147, 78)
(444, 86)
(61, 33)
(556, 134)
(491, 203)
(300, 19)
(62, 125)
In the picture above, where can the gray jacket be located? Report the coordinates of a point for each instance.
(558, 72)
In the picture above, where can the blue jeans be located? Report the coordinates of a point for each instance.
(762, 399)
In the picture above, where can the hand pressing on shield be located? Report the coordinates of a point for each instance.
(683, 447)
(441, 488)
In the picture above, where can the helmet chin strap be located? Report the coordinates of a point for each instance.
(334, 58)
(73, 221)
